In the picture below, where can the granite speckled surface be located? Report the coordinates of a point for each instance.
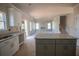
(53, 36)
(11, 35)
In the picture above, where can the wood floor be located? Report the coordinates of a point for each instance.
(28, 48)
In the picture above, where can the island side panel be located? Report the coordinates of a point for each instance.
(58, 47)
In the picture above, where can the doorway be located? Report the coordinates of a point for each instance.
(62, 25)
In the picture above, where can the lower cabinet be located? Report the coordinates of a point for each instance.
(45, 50)
(65, 51)
(21, 38)
(9, 47)
(54, 47)
(45, 47)
(66, 47)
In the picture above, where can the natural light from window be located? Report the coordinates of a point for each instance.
(49, 25)
(53, 25)
(30, 26)
(37, 26)
(2, 22)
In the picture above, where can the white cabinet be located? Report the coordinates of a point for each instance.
(9, 47)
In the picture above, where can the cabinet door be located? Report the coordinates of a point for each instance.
(5, 49)
(69, 51)
(15, 45)
(40, 50)
(65, 47)
(21, 38)
(9, 47)
(49, 50)
(45, 47)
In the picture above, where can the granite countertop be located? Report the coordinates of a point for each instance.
(9, 36)
(53, 36)
(17, 33)
(5, 38)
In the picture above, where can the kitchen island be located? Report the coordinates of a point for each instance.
(48, 44)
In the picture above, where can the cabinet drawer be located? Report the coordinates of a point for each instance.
(67, 42)
(45, 50)
(9, 47)
(5, 51)
(45, 47)
(45, 42)
(65, 47)
(65, 51)
(7, 42)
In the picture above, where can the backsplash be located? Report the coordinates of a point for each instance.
(11, 30)
(4, 32)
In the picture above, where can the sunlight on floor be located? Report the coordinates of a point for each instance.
(31, 37)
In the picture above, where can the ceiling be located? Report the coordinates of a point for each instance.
(45, 10)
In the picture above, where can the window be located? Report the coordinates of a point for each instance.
(11, 20)
(37, 26)
(53, 25)
(30, 26)
(1, 25)
(22, 26)
(26, 26)
(2, 21)
(49, 26)
(33, 25)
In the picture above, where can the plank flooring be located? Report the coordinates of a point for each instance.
(27, 49)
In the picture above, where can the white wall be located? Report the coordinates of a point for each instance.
(76, 18)
(70, 24)
(73, 22)
(57, 22)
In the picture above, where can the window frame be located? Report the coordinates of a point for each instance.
(50, 26)
(3, 21)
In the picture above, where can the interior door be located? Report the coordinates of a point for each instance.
(62, 23)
